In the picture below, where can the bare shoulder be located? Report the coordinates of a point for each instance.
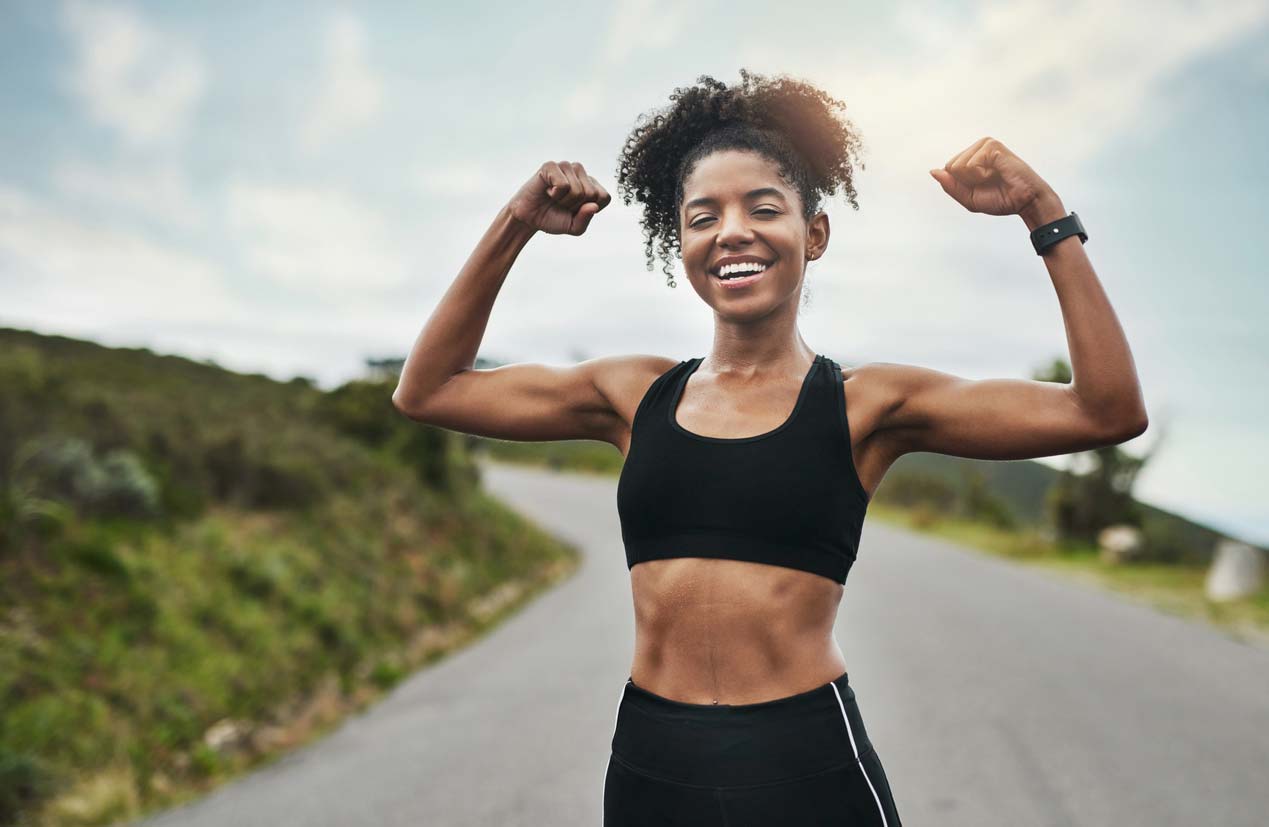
(873, 390)
(624, 380)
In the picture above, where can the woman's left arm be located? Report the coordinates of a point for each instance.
(1019, 418)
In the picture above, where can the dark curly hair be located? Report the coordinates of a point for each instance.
(788, 121)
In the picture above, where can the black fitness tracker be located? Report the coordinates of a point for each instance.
(1045, 236)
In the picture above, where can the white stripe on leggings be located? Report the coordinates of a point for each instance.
(615, 718)
(846, 718)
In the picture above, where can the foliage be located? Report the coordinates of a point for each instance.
(979, 502)
(1080, 505)
(911, 490)
(180, 544)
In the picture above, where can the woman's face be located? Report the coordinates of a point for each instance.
(737, 207)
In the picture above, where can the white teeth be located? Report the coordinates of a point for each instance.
(743, 267)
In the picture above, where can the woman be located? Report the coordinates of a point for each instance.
(745, 483)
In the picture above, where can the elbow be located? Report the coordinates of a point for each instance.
(407, 407)
(1125, 427)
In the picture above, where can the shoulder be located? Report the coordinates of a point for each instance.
(624, 379)
(616, 374)
(874, 391)
(875, 395)
(891, 380)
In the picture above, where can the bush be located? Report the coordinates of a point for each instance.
(63, 469)
(1164, 542)
(288, 482)
(274, 473)
(24, 780)
(981, 504)
(911, 489)
(125, 488)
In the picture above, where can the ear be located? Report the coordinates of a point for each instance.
(817, 233)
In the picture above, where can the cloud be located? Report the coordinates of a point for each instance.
(641, 24)
(131, 77)
(318, 240)
(585, 101)
(76, 273)
(463, 178)
(351, 92)
(1015, 72)
(634, 26)
(159, 191)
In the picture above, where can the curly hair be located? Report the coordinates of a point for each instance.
(788, 121)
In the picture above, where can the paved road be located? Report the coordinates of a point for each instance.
(995, 695)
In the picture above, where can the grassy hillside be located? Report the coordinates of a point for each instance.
(200, 568)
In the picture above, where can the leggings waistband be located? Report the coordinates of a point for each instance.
(721, 745)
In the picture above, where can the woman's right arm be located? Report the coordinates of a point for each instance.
(526, 401)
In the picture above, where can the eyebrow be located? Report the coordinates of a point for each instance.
(696, 202)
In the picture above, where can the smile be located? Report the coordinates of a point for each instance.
(736, 276)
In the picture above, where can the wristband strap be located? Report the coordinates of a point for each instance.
(1046, 235)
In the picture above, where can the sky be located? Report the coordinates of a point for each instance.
(289, 188)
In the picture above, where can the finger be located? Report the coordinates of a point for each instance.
(576, 193)
(594, 192)
(601, 195)
(982, 164)
(953, 186)
(582, 219)
(959, 158)
(588, 183)
(957, 167)
(556, 182)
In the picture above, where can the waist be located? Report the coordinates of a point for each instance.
(735, 744)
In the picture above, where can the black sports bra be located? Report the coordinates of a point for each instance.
(789, 497)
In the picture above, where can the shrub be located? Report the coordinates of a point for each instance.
(63, 469)
(24, 780)
(910, 489)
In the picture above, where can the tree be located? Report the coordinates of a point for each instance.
(1095, 489)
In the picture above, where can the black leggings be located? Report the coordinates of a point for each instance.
(796, 761)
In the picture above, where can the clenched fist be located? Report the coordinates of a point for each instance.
(560, 198)
(986, 177)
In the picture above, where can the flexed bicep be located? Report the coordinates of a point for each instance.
(998, 419)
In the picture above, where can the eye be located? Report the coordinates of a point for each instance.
(701, 221)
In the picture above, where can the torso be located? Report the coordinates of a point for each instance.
(718, 631)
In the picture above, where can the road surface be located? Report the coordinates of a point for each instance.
(995, 695)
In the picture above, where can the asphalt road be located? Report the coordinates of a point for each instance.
(995, 695)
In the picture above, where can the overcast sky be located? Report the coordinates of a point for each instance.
(290, 188)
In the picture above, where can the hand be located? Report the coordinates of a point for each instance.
(988, 178)
(559, 198)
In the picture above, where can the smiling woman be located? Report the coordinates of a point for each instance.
(748, 472)
(797, 126)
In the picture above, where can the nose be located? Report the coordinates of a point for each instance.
(734, 229)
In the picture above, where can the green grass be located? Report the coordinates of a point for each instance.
(128, 648)
(185, 550)
(1172, 588)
